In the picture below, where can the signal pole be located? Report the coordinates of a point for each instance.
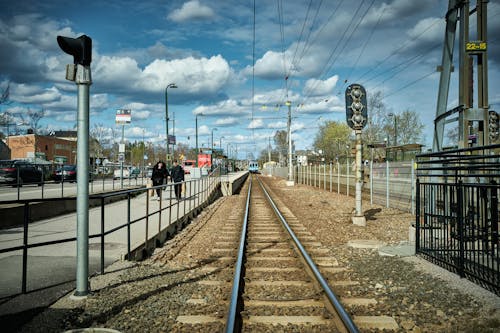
(79, 72)
(356, 116)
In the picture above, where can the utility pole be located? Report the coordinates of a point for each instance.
(290, 181)
(269, 150)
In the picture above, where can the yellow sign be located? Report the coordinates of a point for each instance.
(475, 46)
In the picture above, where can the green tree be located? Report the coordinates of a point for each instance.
(332, 139)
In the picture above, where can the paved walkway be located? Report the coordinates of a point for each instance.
(51, 269)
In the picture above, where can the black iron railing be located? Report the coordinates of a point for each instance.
(197, 193)
(457, 224)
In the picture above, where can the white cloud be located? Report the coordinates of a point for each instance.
(228, 121)
(141, 115)
(192, 75)
(23, 93)
(228, 107)
(192, 10)
(314, 87)
(429, 29)
(256, 123)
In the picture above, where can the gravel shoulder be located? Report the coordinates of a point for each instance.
(421, 297)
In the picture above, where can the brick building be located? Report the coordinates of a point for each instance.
(42, 148)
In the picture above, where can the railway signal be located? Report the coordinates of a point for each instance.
(356, 108)
(493, 125)
(357, 116)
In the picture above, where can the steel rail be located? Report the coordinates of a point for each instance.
(344, 316)
(232, 323)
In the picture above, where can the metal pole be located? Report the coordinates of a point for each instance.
(196, 153)
(83, 81)
(121, 162)
(371, 182)
(166, 127)
(290, 167)
(359, 218)
(387, 183)
(412, 187)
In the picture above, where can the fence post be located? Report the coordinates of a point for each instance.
(387, 184)
(25, 246)
(324, 177)
(330, 176)
(417, 217)
(371, 182)
(347, 164)
(460, 220)
(412, 187)
(338, 177)
(128, 224)
(102, 235)
(494, 217)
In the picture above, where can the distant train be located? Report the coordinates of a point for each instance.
(253, 167)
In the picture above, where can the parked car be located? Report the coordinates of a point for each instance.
(128, 172)
(28, 173)
(67, 173)
(187, 165)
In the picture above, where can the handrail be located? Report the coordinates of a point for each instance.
(204, 191)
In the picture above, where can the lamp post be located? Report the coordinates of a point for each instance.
(220, 143)
(196, 126)
(213, 129)
(171, 85)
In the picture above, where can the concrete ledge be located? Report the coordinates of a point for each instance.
(232, 185)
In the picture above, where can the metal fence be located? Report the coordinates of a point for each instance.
(391, 184)
(46, 186)
(457, 212)
(149, 224)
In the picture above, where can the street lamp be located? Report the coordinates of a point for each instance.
(196, 125)
(213, 129)
(171, 85)
(220, 143)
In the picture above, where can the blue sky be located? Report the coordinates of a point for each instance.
(304, 52)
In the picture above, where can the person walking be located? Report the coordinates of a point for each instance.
(160, 173)
(177, 176)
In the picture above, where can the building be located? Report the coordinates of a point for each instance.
(39, 148)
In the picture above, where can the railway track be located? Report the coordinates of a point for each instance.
(260, 281)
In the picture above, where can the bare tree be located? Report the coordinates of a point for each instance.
(33, 120)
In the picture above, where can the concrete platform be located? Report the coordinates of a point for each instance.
(231, 183)
(403, 249)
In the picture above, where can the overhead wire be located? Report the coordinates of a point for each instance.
(372, 31)
(331, 59)
(393, 53)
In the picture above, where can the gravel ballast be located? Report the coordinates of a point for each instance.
(149, 295)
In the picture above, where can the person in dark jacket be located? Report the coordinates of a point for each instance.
(159, 174)
(177, 176)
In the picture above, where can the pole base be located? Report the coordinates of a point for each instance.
(359, 220)
(290, 183)
(77, 297)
